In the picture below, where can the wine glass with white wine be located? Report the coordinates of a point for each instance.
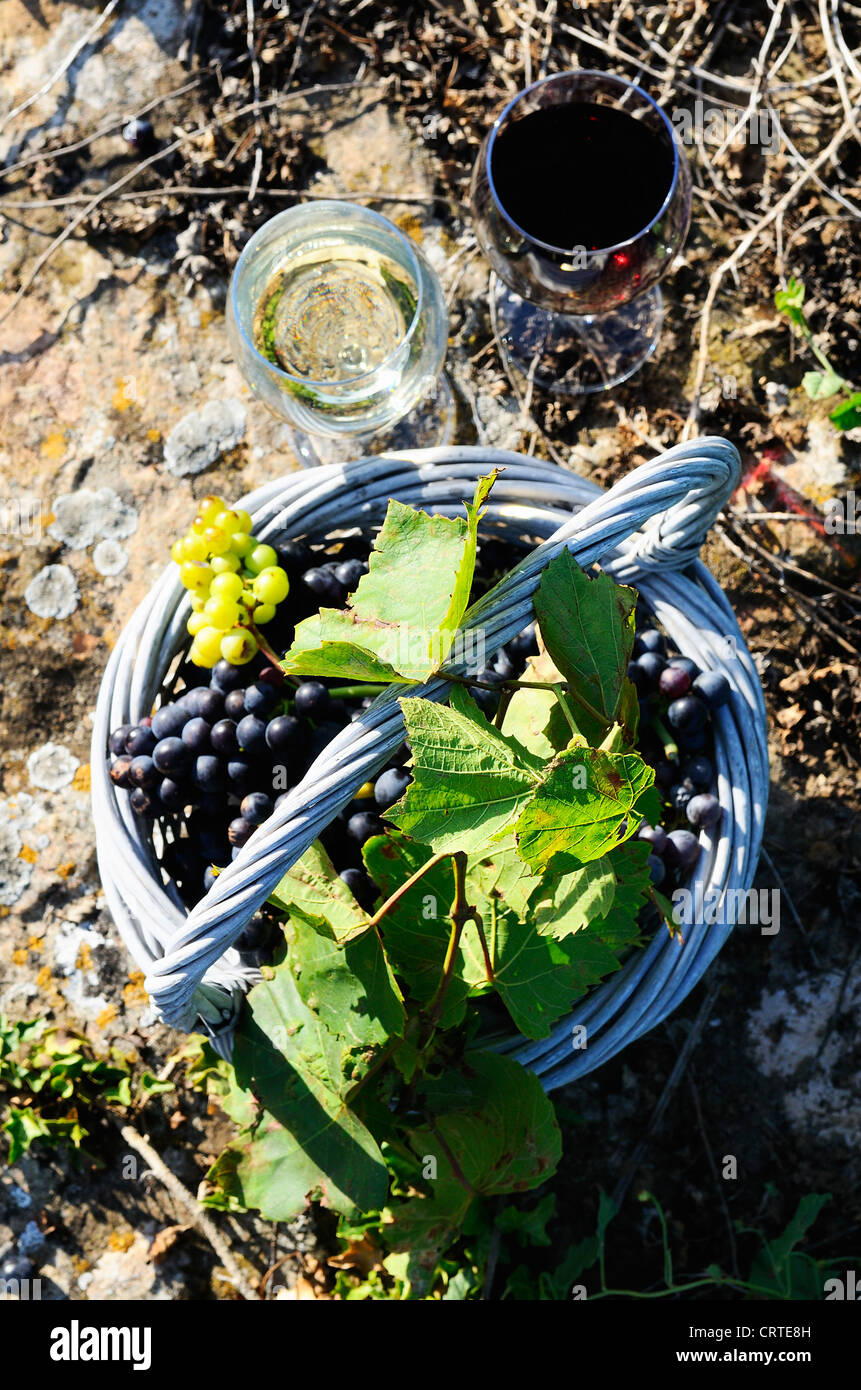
(339, 324)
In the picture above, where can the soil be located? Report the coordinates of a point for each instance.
(118, 337)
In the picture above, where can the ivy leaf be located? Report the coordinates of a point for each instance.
(312, 892)
(307, 1142)
(470, 782)
(351, 988)
(416, 929)
(583, 808)
(400, 623)
(847, 415)
(501, 1137)
(588, 629)
(820, 385)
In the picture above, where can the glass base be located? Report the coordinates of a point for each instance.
(570, 354)
(429, 424)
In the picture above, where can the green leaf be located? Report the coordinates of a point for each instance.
(309, 1144)
(502, 1138)
(530, 1227)
(470, 782)
(820, 385)
(618, 928)
(587, 626)
(583, 808)
(400, 623)
(528, 720)
(847, 415)
(416, 930)
(501, 875)
(24, 1127)
(776, 1266)
(790, 300)
(313, 892)
(351, 988)
(570, 903)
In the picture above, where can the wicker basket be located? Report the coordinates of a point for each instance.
(645, 531)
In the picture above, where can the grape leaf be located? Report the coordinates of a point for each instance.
(416, 929)
(401, 621)
(535, 976)
(311, 891)
(502, 875)
(502, 1137)
(583, 808)
(309, 1142)
(351, 988)
(568, 904)
(588, 628)
(619, 927)
(470, 781)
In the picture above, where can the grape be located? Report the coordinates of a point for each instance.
(207, 773)
(271, 586)
(700, 770)
(311, 699)
(214, 848)
(195, 735)
(143, 771)
(657, 870)
(229, 563)
(703, 810)
(234, 705)
(119, 773)
(238, 647)
(217, 540)
(251, 734)
(683, 849)
(680, 795)
(348, 573)
(363, 889)
(171, 755)
(362, 826)
(272, 675)
(325, 587)
(226, 677)
(223, 737)
(223, 613)
(226, 585)
(263, 614)
(206, 703)
(240, 773)
(293, 556)
(195, 576)
(281, 732)
(255, 934)
(636, 674)
(117, 740)
(172, 794)
(260, 699)
(256, 807)
(651, 664)
(674, 683)
(390, 787)
(169, 720)
(140, 741)
(649, 640)
(713, 687)
(239, 831)
(139, 134)
(684, 663)
(262, 557)
(143, 802)
(321, 737)
(692, 740)
(688, 713)
(655, 835)
(665, 773)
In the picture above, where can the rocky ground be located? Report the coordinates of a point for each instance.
(121, 404)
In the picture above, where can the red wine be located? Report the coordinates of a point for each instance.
(581, 174)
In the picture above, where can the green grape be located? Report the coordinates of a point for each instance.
(243, 520)
(222, 612)
(227, 586)
(210, 506)
(241, 544)
(262, 557)
(194, 548)
(196, 623)
(264, 613)
(238, 648)
(177, 551)
(227, 521)
(225, 564)
(207, 646)
(198, 601)
(194, 575)
(217, 540)
(271, 585)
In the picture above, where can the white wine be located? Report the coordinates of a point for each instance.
(335, 314)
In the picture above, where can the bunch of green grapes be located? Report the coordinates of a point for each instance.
(235, 583)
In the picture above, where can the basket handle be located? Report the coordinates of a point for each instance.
(656, 517)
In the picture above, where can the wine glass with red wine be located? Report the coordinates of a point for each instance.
(581, 197)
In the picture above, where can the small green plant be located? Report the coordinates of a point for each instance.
(365, 1068)
(49, 1076)
(826, 383)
